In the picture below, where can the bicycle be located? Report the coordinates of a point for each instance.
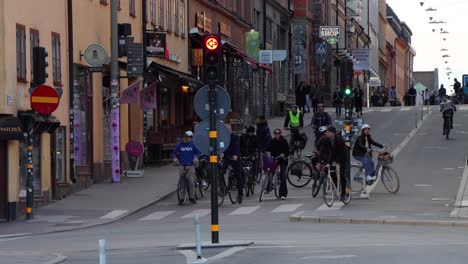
(270, 179)
(295, 149)
(448, 115)
(384, 171)
(182, 185)
(301, 172)
(231, 187)
(330, 189)
(247, 173)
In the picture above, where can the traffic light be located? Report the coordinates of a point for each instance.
(212, 58)
(347, 90)
(39, 65)
(347, 73)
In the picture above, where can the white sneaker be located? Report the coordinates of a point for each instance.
(283, 198)
(371, 178)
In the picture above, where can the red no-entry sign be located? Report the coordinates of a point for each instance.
(44, 100)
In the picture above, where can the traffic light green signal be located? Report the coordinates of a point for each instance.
(347, 91)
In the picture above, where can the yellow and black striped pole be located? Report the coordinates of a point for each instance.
(213, 135)
(30, 181)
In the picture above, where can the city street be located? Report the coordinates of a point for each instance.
(429, 167)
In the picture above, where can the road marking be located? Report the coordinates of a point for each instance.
(244, 210)
(200, 212)
(448, 168)
(113, 214)
(386, 110)
(334, 207)
(156, 215)
(461, 167)
(388, 216)
(422, 185)
(286, 208)
(436, 147)
(330, 257)
(423, 133)
(457, 125)
(307, 252)
(190, 255)
(227, 253)
(464, 203)
(463, 107)
(405, 109)
(461, 132)
(15, 235)
(396, 134)
(441, 199)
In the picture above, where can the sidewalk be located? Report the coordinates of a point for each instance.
(31, 258)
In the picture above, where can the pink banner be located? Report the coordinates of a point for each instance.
(115, 146)
(77, 133)
(130, 94)
(148, 97)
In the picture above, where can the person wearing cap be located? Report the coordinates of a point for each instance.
(332, 150)
(186, 154)
(321, 118)
(362, 151)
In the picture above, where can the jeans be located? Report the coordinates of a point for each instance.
(368, 164)
(190, 179)
(308, 103)
(338, 110)
(283, 190)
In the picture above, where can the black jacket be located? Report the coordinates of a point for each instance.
(278, 147)
(360, 149)
(321, 119)
(329, 152)
(263, 135)
(248, 144)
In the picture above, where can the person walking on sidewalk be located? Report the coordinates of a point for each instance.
(186, 154)
(392, 96)
(338, 101)
(307, 90)
(232, 157)
(358, 96)
(279, 147)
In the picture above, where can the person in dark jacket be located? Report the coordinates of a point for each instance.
(279, 147)
(321, 118)
(248, 142)
(358, 97)
(300, 96)
(442, 93)
(362, 151)
(338, 101)
(412, 95)
(332, 150)
(232, 157)
(263, 133)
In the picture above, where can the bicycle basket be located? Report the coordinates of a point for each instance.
(385, 157)
(269, 164)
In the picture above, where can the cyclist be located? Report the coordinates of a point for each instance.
(321, 118)
(321, 133)
(248, 147)
(332, 150)
(279, 147)
(362, 151)
(232, 157)
(263, 133)
(295, 120)
(447, 108)
(186, 154)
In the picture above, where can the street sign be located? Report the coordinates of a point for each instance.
(321, 48)
(202, 141)
(279, 55)
(95, 55)
(95, 69)
(202, 103)
(375, 82)
(266, 56)
(363, 57)
(329, 32)
(44, 100)
(135, 59)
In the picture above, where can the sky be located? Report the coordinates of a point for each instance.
(428, 44)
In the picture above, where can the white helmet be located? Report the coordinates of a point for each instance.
(365, 126)
(188, 133)
(322, 129)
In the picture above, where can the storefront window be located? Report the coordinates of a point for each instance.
(81, 113)
(36, 164)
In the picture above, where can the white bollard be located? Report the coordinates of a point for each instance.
(198, 242)
(102, 251)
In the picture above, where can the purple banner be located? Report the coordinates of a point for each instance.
(115, 146)
(148, 97)
(130, 94)
(78, 132)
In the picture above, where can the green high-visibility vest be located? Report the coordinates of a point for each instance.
(294, 119)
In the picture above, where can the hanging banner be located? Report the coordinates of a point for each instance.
(155, 44)
(363, 56)
(148, 97)
(130, 94)
(253, 44)
(115, 146)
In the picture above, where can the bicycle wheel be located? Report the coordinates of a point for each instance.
(357, 176)
(277, 181)
(182, 190)
(199, 187)
(390, 179)
(447, 132)
(318, 180)
(232, 189)
(259, 164)
(206, 179)
(263, 185)
(221, 192)
(328, 191)
(348, 193)
(305, 174)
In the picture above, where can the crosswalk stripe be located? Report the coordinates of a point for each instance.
(113, 214)
(200, 212)
(286, 208)
(405, 109)
(244, 210)
(156, 215)
(386, 110)
(334, 207)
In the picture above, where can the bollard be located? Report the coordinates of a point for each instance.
(198, 242)
(102, 251)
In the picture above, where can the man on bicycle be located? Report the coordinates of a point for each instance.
(231, 157)
(447, 108)
(248, 147)
(295, 120)
(362, 151)
(186, 154)
(279, 147)
(321, 118)
(332, 150)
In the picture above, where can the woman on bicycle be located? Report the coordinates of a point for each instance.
(362, 151)
(279, 147)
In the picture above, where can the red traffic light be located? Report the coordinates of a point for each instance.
(211, 43)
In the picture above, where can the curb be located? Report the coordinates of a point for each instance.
(329, 220)
(462, 187)
(58, 259)
(216, 245)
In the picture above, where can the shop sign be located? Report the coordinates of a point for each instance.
(156, 44)
(197, 57)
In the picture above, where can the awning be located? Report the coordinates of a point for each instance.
(249, 60)
(10, 128)
(188, 79)
(38, 123)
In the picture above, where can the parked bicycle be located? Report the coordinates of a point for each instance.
(301, 172)
(270, 179)
(384, 172)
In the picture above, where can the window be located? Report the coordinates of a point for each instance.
(268, 33)
(20, 53)
(60, 152)
(182, 18)
(34, 42)
(119, 7)
(56, 64)
(132, 8)
(104, 2)
(153, 12)
(176, 17)
(161, 14)
(169, 15)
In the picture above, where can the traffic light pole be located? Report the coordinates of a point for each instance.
(30, 170)
(214, 167)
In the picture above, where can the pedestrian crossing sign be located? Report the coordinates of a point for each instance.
(321, 48)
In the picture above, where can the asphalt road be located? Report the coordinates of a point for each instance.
(150, 235)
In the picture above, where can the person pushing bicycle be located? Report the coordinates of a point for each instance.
(186, 154)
